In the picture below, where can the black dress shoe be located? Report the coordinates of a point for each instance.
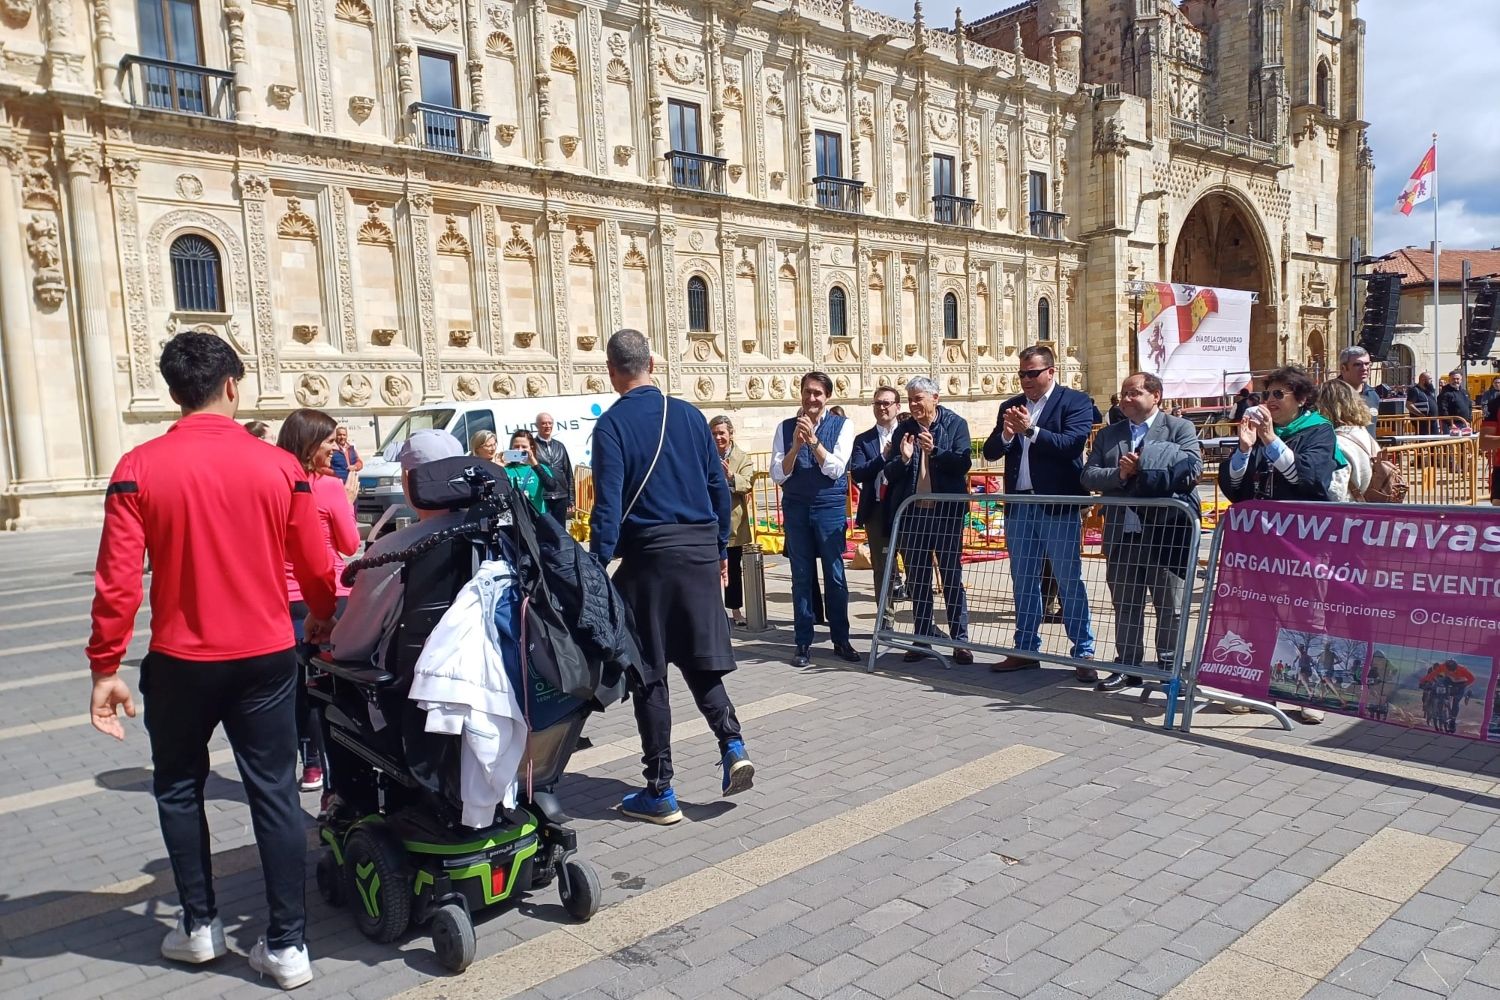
(1117, 682)
(963, 657)
(916, 655)
(801, 659)
(1086, 675)
(846, 652)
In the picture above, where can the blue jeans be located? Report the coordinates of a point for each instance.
(814, 533)
(1032, 533)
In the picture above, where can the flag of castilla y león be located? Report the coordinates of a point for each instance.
(1419, 187)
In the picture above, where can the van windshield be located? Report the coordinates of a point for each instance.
(418, 420)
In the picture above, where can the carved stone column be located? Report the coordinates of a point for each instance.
(555, 290)
(474, 58)
(591, 81)
(254, 189)
(141, 353)
(64, 60)
(107, 51)
(21, 384)
(713, 42)
(728, 243)
(672, 299)
(82, 163)
(655, 103)
(542, 63)
(418, 220)
(406, 83)
(239, 62)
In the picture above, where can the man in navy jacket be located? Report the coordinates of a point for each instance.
(1042, 433)
(931, 454)
(867, 469)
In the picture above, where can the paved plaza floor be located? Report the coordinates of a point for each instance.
(913, 833)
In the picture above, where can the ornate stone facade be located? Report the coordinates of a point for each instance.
(997, 183)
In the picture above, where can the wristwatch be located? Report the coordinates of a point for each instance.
(1031, 433)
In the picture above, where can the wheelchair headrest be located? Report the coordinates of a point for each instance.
(455, 483)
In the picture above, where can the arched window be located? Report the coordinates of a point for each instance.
(1325, 87)
(838, 315)
(1043, 319)
(950, 316)
(697, 292)
(197, 283)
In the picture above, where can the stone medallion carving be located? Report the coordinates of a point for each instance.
(841, 386)
(502, 386)
(466, 387)
(778, 387)
(354, 390)
(312, 390)
(704, 387)
(536, 385)
(436, 14)
(702, 350)
(755, 388)
(189, 187)
(594, 383)
(396, 390)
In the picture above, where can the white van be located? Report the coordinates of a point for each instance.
(574, 417)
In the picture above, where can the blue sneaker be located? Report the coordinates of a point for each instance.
(739, 773)
(652, 808)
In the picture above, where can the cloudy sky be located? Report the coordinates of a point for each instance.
(1424, 72)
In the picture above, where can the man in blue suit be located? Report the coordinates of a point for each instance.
(931, 455)
(1042, 433)
(872, 449)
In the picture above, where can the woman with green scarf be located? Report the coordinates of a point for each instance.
(530, 477)
(1287, 450)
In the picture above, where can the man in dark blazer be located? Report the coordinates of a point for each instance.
(931, 454)
(867, 469)
(1147, 551)
(1041, 434)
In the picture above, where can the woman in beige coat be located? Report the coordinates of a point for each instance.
(738, 470)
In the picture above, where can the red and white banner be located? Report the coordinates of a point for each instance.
(1196, 340)
(1419, 186)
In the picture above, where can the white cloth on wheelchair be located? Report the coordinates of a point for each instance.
(461, 682)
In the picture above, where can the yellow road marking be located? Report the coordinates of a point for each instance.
(627, 923)
(1304, 939)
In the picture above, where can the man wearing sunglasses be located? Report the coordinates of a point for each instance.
(1042, 433)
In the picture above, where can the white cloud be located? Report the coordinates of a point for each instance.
(1428, 68)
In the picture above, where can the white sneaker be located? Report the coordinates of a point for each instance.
(204, 944)
(290, 967)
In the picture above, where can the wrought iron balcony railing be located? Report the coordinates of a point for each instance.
(696, 171)
(451, 130)
(1048, 225)
(951, 210)
(179, 87)
(839, 194)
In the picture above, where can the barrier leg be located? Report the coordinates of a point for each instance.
(1174, 687)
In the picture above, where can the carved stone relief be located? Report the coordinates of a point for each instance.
(312, 390)
(396, 390)
(46, 255)
(354, 390)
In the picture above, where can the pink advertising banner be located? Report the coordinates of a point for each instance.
(1389, 613)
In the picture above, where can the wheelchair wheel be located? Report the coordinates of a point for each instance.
(453, 937)
(380, 889)
(579, 889)
(330, 880)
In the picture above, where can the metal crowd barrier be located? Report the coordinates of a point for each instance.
(1125, 599)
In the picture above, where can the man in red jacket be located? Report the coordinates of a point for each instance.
(219, 513)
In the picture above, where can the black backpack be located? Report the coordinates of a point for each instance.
(578, 633)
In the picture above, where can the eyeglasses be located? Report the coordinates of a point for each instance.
(1279, 393)
(1033, 372)
(887, 402)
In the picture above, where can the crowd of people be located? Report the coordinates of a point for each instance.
(671, 492)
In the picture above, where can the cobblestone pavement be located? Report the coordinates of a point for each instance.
(915, 833)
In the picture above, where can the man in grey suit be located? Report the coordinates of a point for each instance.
(1147, 551)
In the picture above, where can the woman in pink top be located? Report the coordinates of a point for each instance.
(309, 435)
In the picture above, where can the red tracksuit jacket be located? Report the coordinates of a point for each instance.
(220, 513)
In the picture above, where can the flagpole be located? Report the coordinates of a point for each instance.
(1436, 257)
